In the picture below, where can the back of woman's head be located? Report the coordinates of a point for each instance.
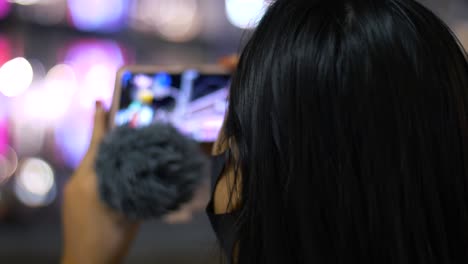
(350, 123)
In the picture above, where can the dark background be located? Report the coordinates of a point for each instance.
(44, 130)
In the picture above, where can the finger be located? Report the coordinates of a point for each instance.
(100, 126)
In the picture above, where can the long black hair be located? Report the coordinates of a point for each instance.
(349, 120)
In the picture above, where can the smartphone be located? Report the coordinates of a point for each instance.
(192, 99)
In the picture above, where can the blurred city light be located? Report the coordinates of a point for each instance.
(8, 164)
(61, 72)
(102, 15)
(45, 12)
(28, 134)
(99, 83)
(47, 104)
(38, 70)
(95, 64)
(35, 184)
(25, 2)
(5, 49)
(174, 20)
(15, 77)
(245, 13)
(72, 136)
(61, 79)
(50, 101)
(8, 157)
(3, 134)
(4, 8)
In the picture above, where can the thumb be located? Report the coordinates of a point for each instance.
(100, 126)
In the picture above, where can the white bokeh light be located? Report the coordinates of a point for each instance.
(245, 13)
(16, 76)
(99, 83)
(174, 20)
(35, 184)
(62, 72)
(50, 101)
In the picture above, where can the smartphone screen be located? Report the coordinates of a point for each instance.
(193, 102)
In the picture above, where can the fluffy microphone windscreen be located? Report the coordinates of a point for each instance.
(148, 172)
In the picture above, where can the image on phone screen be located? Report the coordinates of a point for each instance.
(193, 102)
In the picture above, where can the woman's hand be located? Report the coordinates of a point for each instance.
(93, 233)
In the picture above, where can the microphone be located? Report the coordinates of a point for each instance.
(147, 172)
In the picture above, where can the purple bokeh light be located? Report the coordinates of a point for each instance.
(95, 64)
(5, 8)
(3, 134)
(102, 15)
(73, 136)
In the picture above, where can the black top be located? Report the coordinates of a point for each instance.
(224, 225)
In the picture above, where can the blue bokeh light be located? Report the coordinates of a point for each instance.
(101, 15)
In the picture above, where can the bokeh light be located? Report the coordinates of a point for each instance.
(95, 64)
(38, 70)
(50, 101)
(101, 15)
(5, 49)
(99, 81)
(72, 136)
(35, 184)
(4, 8)
(62, 73)
(48, 104)
(60, 84)
(3, 134)
(16, 76)
(44, 12)
(28, 134)
(174, 20)
(8, 164)
(245, 13)
(8, 157)
(25, 2)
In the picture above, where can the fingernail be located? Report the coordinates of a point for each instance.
(98, 104)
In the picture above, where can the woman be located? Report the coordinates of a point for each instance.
(345, 142)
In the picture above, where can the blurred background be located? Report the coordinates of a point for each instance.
(57, 57)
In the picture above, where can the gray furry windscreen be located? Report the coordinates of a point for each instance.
(148, 172)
